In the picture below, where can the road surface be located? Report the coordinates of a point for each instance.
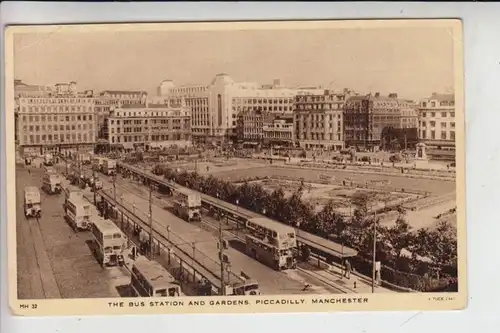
(53, 261)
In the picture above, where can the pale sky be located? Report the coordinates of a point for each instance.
(414, 62)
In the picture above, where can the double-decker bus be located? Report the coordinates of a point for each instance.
(98, 163)
(110, 242)
(187, 204)
(150, 279)
(51, 183)
(78, 212)
(32, 202)
(271, 243)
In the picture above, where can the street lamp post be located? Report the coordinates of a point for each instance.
(93, 187)
(151, 239)
(374, 250)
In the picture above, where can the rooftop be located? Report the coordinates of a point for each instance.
(443, 97)
(271, 224)
(155, 273)
(105, 225)
(122, 92)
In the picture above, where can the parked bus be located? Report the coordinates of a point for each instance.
(70, 193)
(78, 213)
(84, 159)
(32, 202)
(109, 167)
(51, 183)
(150, 279)
(97, 163)
(110, 242)
(187, 204)
(48, 159)
(271, 243)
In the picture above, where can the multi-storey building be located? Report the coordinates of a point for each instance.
(409, 114)
(216, 106)
(437, 121)
(249, 126)
(319, 120)
(150, 125)
(367, 118)
(279, 130)
(56, 123)
(109, 99)
(196, 98)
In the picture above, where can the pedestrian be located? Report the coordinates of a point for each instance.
(348, 268)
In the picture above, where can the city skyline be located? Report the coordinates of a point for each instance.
(297, 57)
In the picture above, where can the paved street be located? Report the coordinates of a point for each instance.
(53, 260)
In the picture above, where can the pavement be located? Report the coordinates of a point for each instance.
(54, 261)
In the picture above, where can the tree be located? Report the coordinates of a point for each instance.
(326, 220)
(399, 235)
(443, 244)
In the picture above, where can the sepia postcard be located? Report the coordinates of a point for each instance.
(235, 167)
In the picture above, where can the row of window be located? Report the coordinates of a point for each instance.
(432, 135)
(318, 117)
(433, 124)
(57, 118)
(272, 134)
(55, 100)
(146, 121)
(433, 104)
(319, 107)
(146, 138)
(58, 138)
(238, 109)
(319, 136)
(72, 127)
(322, 98)
(310, 125)
(150, 113)
(145, 129)
(442, 114)
(262, 101)
(54, 109)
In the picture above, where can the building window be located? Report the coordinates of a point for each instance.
(452, 135)
(452, 125)
(443, 135)
(433, 135)
(443, 125)
(452, 114)
(443, 114)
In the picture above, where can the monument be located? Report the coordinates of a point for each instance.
(421, 153)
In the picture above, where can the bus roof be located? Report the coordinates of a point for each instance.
(185, 190)
(106, 226)
(271, 224)
(155, 273)
(78, 200)
(72, 188)
(31, 189)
